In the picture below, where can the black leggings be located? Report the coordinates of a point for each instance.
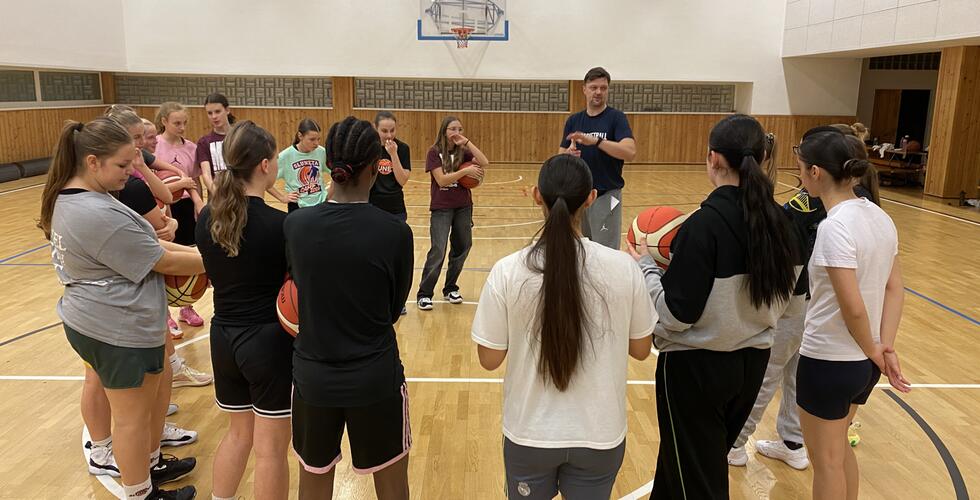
(703, 400)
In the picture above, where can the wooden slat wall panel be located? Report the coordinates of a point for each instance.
(504, 137)
(29, 134)
(954, 154)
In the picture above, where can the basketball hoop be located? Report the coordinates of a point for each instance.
(462, 36)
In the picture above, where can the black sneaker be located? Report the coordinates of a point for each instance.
(171, 468)
(185, 493)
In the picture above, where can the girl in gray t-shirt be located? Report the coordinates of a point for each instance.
(114, 308)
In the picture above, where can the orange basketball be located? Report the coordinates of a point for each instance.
(467, 181)
(169, 178)
(653, 231)
(185, 290)
(287, 307)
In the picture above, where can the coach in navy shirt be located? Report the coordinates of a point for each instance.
(601, 136)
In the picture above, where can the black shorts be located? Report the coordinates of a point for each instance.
(827, 389)
(292, 206)
(380, 433)
(183, 212)
(253, 368)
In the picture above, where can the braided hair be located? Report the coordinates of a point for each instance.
(352, 146)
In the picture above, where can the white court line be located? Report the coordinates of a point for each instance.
(21, 189)
(518, 179)
(913, 206)
(490, 227)
(523, 238)
(452, 380)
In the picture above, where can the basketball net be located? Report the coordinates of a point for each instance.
(462, 36)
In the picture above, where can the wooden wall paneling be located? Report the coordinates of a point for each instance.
(954, 151)
(884, 118)
(343, 95)
(504, 137)
(33, 133)
(108, 83)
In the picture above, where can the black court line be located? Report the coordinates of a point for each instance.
(28, 334)
(959, 486)
(25, 252)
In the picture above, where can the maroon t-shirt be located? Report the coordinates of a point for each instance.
(209, 149)
(451, 196)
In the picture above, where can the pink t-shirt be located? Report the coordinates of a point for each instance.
(181, 156)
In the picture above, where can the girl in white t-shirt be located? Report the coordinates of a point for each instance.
(855, 307)
(569, 312)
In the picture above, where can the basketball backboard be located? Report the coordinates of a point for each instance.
(487, 19)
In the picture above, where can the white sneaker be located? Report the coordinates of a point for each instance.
(454, 298)
(188, 376)
(175, 436)
(425, 303)
(738, 457)
(102, 462)
(778, 450)
(171, 409)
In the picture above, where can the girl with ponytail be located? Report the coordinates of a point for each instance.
(352, 264)
(114, 305)
(734, 271)
(242, 243)
(854, 312)
(568, 311)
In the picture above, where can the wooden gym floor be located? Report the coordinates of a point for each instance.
(918, 446)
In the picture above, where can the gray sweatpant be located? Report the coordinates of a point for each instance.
(578, 473)
(783, 358)
(603, 222)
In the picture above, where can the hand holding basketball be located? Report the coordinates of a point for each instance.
(631, 249)
(184, 183)
(473, 177)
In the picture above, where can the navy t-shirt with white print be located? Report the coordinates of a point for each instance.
(611, 125)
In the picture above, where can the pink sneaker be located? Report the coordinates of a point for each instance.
(189, 315)
(175, 331)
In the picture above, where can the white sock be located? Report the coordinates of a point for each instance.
(216, 497)
(155, 457)
(104, 442)
(139, 491)
(176, 362)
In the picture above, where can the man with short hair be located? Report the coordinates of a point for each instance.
(602, 137)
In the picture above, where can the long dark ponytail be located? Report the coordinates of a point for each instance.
(772, 249)
(565, 183)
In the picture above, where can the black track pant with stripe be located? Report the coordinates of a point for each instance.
(703, 400)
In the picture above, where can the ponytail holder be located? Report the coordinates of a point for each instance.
(847, 165)
(341, 172)
(748, 152)
(78, 127)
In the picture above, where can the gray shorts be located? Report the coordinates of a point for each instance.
(578, 473)
(603, 221)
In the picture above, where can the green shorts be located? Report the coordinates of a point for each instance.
(117, 367)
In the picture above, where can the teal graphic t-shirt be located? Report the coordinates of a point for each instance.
(303, 173)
